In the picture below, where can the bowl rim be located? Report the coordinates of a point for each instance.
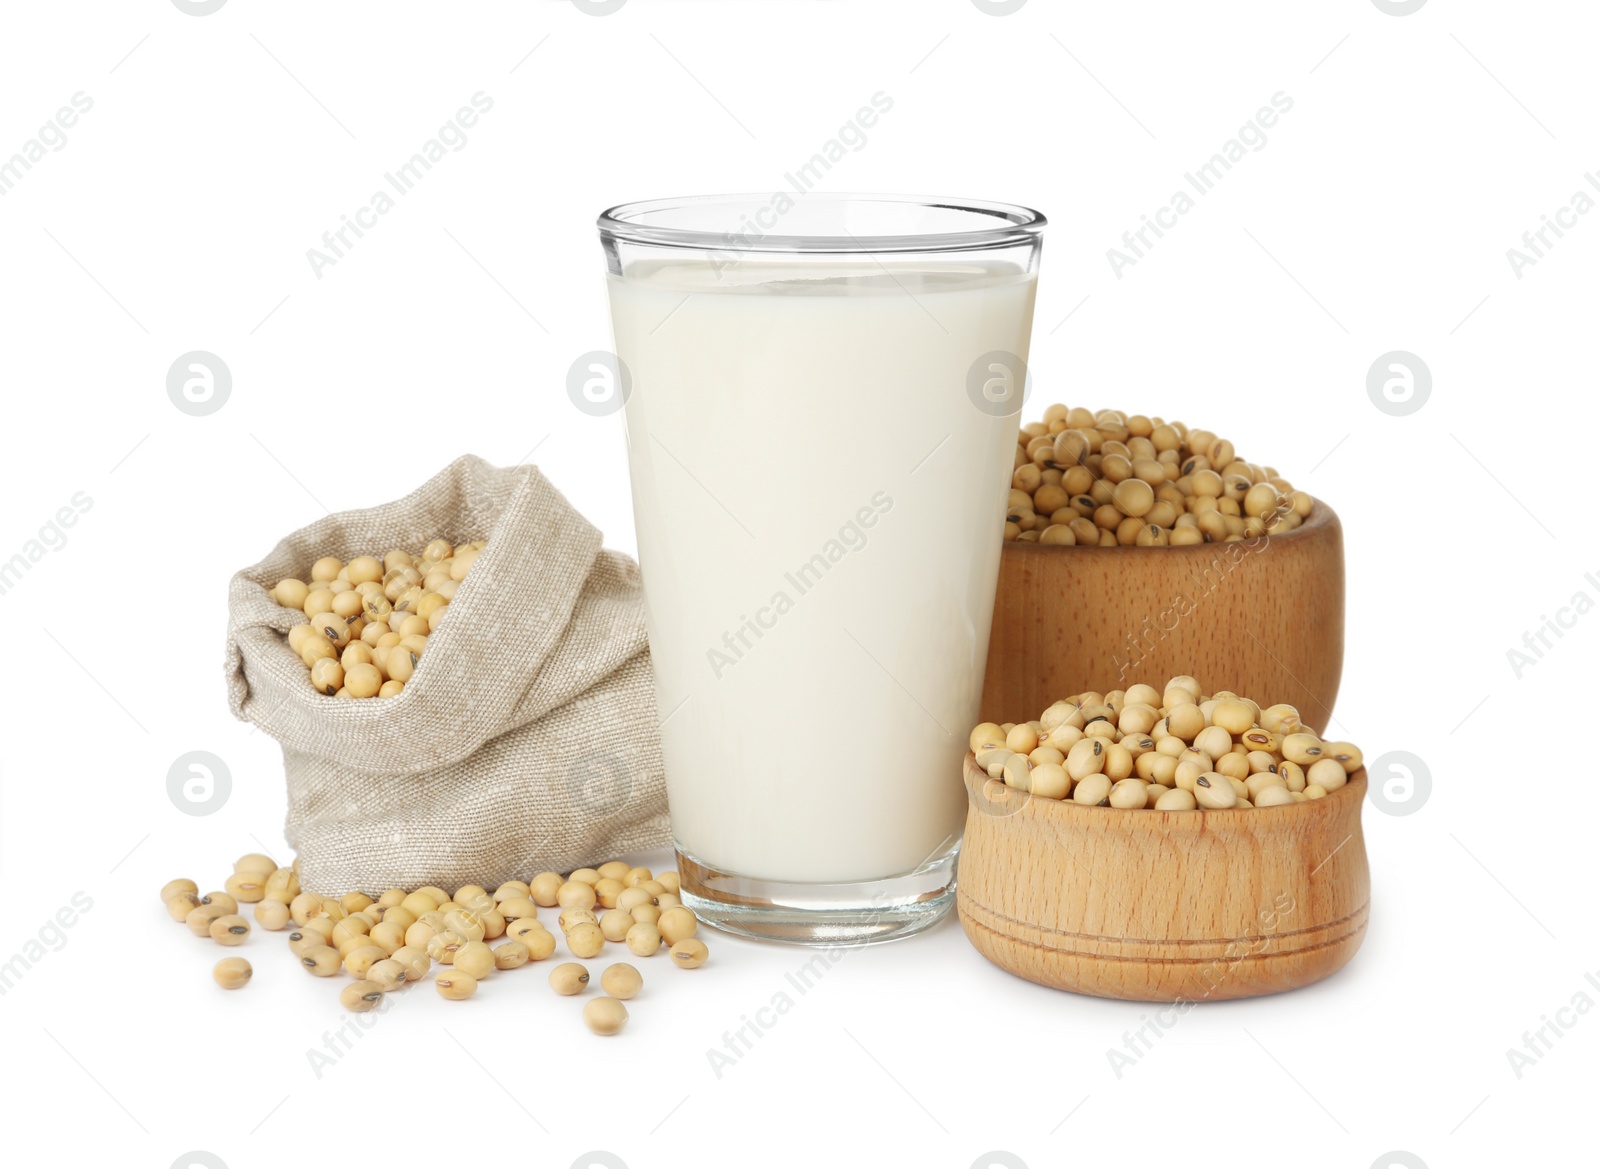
(1355, 787)
(1322, 517)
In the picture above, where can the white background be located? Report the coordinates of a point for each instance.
(1377, 217)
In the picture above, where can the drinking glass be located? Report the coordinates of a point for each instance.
(822, 397)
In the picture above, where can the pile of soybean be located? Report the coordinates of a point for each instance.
(1117, 480)
(1173, 750)
(386, 943)
(368, 622)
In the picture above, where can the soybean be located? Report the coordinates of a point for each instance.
(361, 996)
(1175, 800)
(231, 973)
(1114, 479)
(569, 978)
(452, 985)
(677, 924)
(586, 940)
(230, 929)
(621, 981)
(415, 960)
(475, 959)
(643, 939)
(386, 943)
(323, 961)
(182, 885)
(443, 946)
(576, 895)
(389, 974)
(545, 889)
(689, 953)
(615, 923)
(541, 944)
(1171, 749)
(361, 958)
(605, 1016)
(509, 956)
(386, 598)
(272, 915)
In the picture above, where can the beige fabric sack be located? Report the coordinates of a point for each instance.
(527, 738)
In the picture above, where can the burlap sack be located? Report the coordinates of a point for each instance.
(527, 738)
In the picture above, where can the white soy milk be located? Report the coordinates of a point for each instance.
(819, 506)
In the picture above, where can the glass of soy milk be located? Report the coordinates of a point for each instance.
(822, 396)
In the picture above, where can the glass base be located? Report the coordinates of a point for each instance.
(855, 913)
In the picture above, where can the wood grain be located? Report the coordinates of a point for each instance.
(1163, 906)
(1263, 618)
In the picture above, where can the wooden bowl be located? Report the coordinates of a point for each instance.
(1163, 906)
(1263, 618)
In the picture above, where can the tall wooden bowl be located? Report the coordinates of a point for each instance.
(1163, 906)
(1263, 618)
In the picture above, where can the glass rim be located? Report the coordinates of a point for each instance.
(997, 225)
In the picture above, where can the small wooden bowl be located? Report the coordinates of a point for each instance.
(1261, 618)
(1163, 906)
